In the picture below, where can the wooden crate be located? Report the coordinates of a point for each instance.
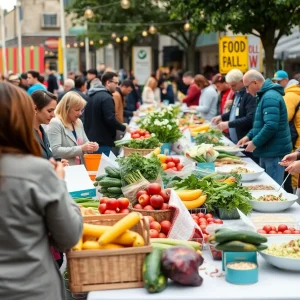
(92, 270)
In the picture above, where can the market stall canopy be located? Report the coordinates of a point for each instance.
(288, 47)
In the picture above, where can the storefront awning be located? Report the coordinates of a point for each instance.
(288, 46)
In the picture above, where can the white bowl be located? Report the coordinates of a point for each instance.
(245, 176)
(271, 207)
(285, 263)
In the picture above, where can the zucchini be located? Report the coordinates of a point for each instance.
(96, 183)
(236, 246)
(100, 177)
(261, 247)
(154, 280)
(116, 196)
(223, 236)
(111, 182)
(114, 190)
(173, 242)
(113, 172)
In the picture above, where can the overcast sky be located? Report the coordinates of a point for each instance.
(7, 4)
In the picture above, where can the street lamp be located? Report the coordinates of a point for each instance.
(113, 35)
(125, 38)
(152, 29)
(100, 42)
(88, 13)
(118, 40)
(81, 44)
(187, 26)
(125, 4)
(91, 43)
(63, 38)
(144, 33)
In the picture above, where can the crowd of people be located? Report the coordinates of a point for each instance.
(44, 128)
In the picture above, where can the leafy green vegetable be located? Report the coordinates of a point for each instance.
(149, 143)
(150, 167)
(207, 138)
(220, 193)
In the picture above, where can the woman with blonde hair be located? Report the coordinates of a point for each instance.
(66, 133)
(208, 100)
(151, 93)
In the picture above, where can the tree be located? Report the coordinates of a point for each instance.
(267, 19)
(127, 22)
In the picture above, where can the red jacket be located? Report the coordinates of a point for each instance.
(227, 95)
(193, 95)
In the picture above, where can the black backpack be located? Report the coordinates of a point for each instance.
(293, 130)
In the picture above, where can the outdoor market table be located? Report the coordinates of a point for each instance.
(273, 283)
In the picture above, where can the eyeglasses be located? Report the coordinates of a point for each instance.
(247, 86)
(115, 82)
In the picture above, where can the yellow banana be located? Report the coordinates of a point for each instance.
(195, 203)
(188, 195)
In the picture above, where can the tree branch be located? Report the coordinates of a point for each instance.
(174, 37)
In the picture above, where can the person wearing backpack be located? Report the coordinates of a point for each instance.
(292, 102)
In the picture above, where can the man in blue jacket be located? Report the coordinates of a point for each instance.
(270, 137)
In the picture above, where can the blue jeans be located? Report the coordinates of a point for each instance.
(104, 150)
(272, 168)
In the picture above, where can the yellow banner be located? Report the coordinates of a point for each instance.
(60, 58)
(233, 53)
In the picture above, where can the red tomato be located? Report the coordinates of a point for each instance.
(110, 212)
(166, 195)
(171, 165)
(124, 211)
(165, 226)
(102, 208)
(123, 203)
(203, 220)
(201, 215)
(165, 206)
(162, 236)
(203, 226)
(287, 232)
(150, 218)
(205, 237)
(282, 227)
(196, 218)
(208, 216)
(279, 232)
(138, 206)
(292, 229)
(174, 169)
(261, 231)
(297, 232)
(176, 160)
(140, 193)
(157, 201)
(147, 132)
(104, 200)
(144, 200)
(164, 166)
(155, 225)
(142, 132)
(272, 232)
(154, 189)
(267, 228)
(210, 220)
(147, 136)
(148, 207)
(112, 204)
(180, 167)
(135, 136)
(153, 233)
(218, 221)
(274, 228)
(169, 159)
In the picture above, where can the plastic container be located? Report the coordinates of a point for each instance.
(215, 254)
(166, 148)
(92, 162)
(241, 276)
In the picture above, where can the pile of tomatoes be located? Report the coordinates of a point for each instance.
(113, 206)
(153, 198)
(171, 163)
(140, 134)
(281, 229)
(159, 229)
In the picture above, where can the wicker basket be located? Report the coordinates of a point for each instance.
(158, 215)
(143, 152)
(92, 270)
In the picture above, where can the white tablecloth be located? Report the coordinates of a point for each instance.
(273, 284)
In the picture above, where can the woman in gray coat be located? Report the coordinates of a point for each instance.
(66, 133)
(36, 209)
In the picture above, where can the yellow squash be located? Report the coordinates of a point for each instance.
(139, 241)
(188, 195)
(94, 230)
(78, 246)
(126, 239)
(119, 228)
(195, 203)
(93, 245)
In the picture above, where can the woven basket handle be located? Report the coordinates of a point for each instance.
(146, 230)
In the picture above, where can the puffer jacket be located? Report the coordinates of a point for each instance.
(292, 100)
(270, 133)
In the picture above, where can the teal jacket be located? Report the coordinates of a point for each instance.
(270, 133)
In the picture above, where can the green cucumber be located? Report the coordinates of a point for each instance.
(236, 246)
(82, 200)
(240, 235)
(113, 172)
(100, 177)
(154, 280)
(90, 204)
(261, 247)
(114, 190)
(110, 182)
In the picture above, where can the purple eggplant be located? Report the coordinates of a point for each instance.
(181, 265)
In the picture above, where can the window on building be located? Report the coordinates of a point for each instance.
(50, 20)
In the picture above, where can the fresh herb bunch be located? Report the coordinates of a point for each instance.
(148, 143)
(223, 191)
(150, 167)
(164, 124)
(207, 138)
(215, 132)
